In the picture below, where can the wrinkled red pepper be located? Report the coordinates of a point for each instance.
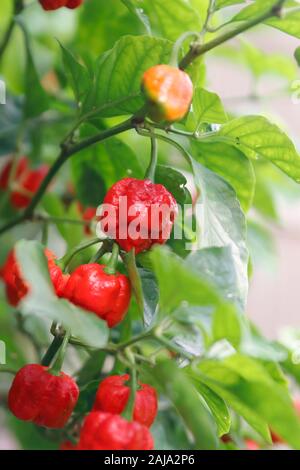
(113, 394)
(42, 398)
(142, 198)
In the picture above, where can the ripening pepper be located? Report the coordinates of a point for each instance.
(88, 214)
(21, 167)
(106, 431)
(49, 5)
(169, 92)
(144, 200)
(106, 295)
(42, 398)
(27, 185)
(16, 287)
(113, 394)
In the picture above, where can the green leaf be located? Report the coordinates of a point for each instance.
(217, 407)
(119, 72)
(36, 99)
(232, 165)
(89, 183)
(170, 22)
(256, 8)
(247, 385)
(144, 287)
(221, 221)
(216, 266)
(297, 55)
(256, 137)
(42, 302)
(261, 63)
(226, 325)
(289, 24)
(179, 389)
(227, 3)
(206, 108)
(174, 181)
(77, 75)
(186, 287)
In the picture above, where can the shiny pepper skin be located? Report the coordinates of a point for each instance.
(49, 5)
(16, 287)
(106, 295)
(141, 195)
(113, 394)
(44, 399)
(169, 92)
(106, 431)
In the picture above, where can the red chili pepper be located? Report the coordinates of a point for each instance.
(16, 287)
(22, 166)
(45, 399)
(169, 91)
(74, 3)
(143, 198)
(106, 295)
(113, 394)
(28, 183)
(106, 431)
(52, 4)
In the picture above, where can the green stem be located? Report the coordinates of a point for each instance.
(111, 267)
(102, 250)
(178, 45)
(197, 49)
(135, 339)
(57, 366)
(150, 173)
(7, 370)
(129, 409)
(66, 260)
(52, 351)
(173, 347)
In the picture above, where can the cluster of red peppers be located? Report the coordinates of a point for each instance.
(21, 181)
(49, 5)
(45, 395)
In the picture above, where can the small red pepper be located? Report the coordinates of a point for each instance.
(169, 92)
(42, 398)
(106, 431)
(251, 445)
(74, 4)
(49, 5)
(56, 4)
(113, 394)
(16, 287)
(144, 199)
(28, 184)
(88, 214)
(68, 445)
(106, 295)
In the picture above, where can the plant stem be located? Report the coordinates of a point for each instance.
(129, 409)
(7, 370)
(52, 351)
(66, 260)
(173, 347)
(150, 173)
(197, 49)
(111, 267)
(135, 339)
(57, 366)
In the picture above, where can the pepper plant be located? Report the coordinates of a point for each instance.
(110, 99)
